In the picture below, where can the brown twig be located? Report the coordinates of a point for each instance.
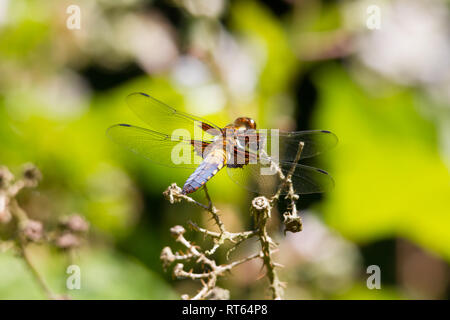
(28, 230)
(292, 220)
(39, 279)
(261, 210)
(31, 231)
(210, 276)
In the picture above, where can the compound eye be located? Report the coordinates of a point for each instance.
(248, 123)
(251, 124)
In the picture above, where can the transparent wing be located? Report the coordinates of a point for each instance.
(158, 147)
(163, 118)
(262, 179)
(250, 156)
(284, 145)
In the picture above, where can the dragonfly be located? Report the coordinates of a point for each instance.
(251, 156)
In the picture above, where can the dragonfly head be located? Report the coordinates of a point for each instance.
(244, 123)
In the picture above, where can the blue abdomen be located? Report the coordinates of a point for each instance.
(205, 171)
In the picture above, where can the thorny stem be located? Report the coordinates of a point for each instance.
(292, 221)
(194, 252)
(287, 180)
(262, 212)
(261, 209)
(214, 211)
(234, 237)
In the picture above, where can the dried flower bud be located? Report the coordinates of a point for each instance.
(31, 175)
(172, 193)
(67, 241)
(177, 231)
(261, 203)
(167, 257)
(5, 177)
(178, 270)
(292, 223)
(33, 230)
(261, 209)
(75, 223)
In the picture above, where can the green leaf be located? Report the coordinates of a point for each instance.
(390, 178)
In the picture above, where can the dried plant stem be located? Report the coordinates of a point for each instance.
(262, 213)
(261, 210)
(275, 284)
(39, 279)
(287, 180)
(66, 236)
(214, 270)
(214, 211)
(292, 220)
(22, 220)
(291, 193)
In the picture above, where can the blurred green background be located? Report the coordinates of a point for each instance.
(292, 65)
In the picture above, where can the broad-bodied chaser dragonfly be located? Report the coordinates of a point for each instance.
(181, 140)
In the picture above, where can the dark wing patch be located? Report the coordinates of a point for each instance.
(200, 147)
(210, 129)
